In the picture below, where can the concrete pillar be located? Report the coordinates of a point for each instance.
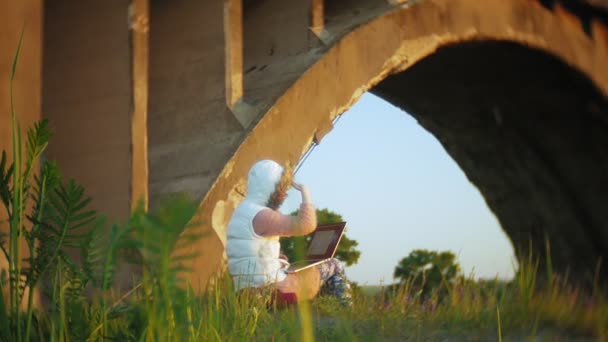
(233, 31)
(191, 129)
(271, 38)
(140, 27)
(317, 16)
(87, 96)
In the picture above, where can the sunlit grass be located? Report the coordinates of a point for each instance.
(476, 309)
(488, 309)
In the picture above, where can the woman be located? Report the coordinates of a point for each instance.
(253, 247)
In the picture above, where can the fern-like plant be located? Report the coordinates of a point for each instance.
(47, 216)
(162, 233)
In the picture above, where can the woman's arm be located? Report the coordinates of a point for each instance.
(270, 222)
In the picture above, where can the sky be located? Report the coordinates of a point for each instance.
(398, 190)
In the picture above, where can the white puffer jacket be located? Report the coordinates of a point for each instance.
(253, 260)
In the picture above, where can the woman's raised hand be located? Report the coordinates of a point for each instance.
(303, 190)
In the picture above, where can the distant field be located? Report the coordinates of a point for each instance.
(371, 290)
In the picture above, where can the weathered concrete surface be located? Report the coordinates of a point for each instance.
(191, 131)
(88, 103)
(140, 25)
(87, 97)
(388, 44)
(530, 133)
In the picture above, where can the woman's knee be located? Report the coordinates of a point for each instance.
(310, 282)
(338, 265)
(330, 268)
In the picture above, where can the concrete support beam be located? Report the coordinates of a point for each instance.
(233, 45)
(317, 14)
(139, 118)
(317, 21)
(233, 33)
(191, 130)
(275, 31)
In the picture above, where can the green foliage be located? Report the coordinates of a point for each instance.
(52, 220)
(58, 224)
(325, 216)
(347, 251)
(70, 250)
(293, 247)
(428, 271)
(161, 234)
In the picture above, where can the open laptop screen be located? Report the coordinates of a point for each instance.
(324, 241)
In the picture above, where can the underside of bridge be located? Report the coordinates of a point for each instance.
(152, 97)
(531, 133)
(515, 91)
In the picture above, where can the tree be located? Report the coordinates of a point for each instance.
(293, 247)
(427, 270)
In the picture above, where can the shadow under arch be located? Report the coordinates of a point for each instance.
(394, 43)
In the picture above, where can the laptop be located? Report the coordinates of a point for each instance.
(321, 248)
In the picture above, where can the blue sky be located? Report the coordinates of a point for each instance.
(399, 190)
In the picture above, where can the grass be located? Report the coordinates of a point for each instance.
(472, 310)
(475, 310)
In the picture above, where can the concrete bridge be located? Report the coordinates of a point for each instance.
(151, 98)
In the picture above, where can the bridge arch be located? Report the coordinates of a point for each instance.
(416, 39)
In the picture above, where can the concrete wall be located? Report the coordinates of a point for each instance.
(192, 134)
(87, 97)
(284, 34)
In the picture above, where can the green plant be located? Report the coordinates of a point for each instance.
(428, 271)
(160, 235)
(51, 220)
(68, 251)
